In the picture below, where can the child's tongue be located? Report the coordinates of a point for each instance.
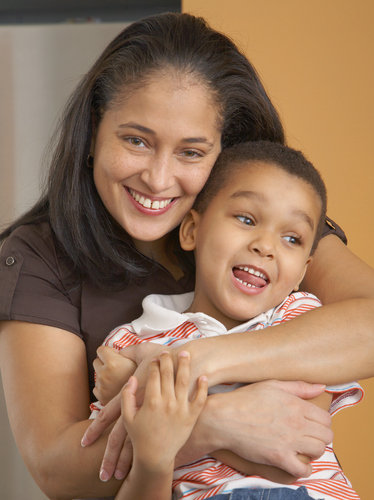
(248, 278)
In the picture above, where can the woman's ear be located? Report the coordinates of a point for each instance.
(188, 230)
(303, 274)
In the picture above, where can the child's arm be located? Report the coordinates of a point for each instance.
(160, 427)
(267, 471)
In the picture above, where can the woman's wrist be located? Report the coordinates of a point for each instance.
(213, 357)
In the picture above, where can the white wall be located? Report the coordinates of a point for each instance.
(39, 66)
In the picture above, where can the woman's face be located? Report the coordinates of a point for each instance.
(153, 153)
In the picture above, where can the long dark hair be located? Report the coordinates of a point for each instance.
(96, 245)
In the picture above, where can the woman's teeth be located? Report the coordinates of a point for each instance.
(148, 203)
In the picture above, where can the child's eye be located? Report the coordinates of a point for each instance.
(294, 240)
(244, 219)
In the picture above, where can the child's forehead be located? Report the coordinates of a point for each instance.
(250, 171)
(266, 182)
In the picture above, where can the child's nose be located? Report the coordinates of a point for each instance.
(263, 244)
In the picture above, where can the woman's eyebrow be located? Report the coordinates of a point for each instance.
(198, 140)
(137, 126)
(146, 130)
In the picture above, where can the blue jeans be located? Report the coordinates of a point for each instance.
(261, 494)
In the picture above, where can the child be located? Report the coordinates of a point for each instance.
(253, 230)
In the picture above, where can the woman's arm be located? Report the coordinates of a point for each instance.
(44, 373)
(268, 471)
(331, 344)
(266, 422)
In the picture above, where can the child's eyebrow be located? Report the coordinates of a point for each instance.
(247, 194)
(306, 217)
(300, 214)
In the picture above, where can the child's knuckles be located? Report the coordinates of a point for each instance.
(183, 380)
(153, 402)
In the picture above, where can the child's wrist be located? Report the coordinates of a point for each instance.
(163, 466)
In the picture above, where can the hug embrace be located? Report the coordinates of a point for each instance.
(120, 219)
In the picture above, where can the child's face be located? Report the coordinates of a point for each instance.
(252, 244)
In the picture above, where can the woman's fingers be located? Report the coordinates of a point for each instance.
(128, 402)
(105, 418)
(201, 393)
(300, 389)
(113, 450)
(124, 461)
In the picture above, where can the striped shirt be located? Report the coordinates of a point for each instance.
(164, 322)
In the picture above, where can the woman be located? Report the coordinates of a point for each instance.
(137, 142)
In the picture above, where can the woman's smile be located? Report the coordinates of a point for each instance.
(150, 205)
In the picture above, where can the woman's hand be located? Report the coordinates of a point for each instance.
(112, 371)
(266, 422)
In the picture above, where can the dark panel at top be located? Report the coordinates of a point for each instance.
(64, 11)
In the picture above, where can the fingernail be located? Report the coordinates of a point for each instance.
(83, 441)
(119, 475)
(184, 354)
(104, 476)
(204, 378)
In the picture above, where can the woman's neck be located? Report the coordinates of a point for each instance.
(157, 251)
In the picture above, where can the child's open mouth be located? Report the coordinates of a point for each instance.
(250, 276)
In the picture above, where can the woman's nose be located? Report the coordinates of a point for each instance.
(158, 174)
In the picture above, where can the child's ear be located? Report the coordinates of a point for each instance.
(303, 273)
(188, 230)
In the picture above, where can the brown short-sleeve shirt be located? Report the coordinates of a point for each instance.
(38, 285)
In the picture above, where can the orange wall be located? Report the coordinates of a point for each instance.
(317, 62)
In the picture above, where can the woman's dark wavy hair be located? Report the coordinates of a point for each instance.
(96, 245)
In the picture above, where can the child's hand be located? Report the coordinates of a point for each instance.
(112, 371)
(164, 422)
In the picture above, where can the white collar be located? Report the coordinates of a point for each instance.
(165, 312)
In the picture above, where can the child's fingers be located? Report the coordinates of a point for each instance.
(167, 375)
(182, 378)
(201, 393)
(128, 400)
(153, 383)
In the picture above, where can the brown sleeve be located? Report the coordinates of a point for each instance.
(32, 286)
(332, 228)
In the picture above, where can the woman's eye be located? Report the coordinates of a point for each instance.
(248, 221)
(191, 153)
(135, 141)
(294, 240)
